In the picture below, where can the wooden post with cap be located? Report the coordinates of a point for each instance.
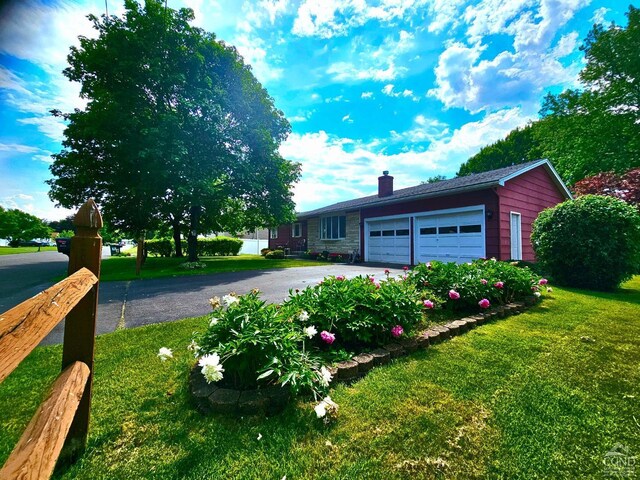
(80, 323)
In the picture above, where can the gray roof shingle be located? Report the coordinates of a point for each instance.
(474, 181)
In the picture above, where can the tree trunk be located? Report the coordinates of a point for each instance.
(139, 256)
(177, 231)
(193, 233)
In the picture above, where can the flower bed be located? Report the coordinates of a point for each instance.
(253, 356)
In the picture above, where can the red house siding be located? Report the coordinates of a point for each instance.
(286, 240)
(488, 198)
(527, 194)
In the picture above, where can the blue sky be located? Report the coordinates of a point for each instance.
(410, 86)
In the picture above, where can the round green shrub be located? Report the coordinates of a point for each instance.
(591, 242)
(275, 254)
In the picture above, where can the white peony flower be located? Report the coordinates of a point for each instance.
(310, 331)
(320, 409)
(165, 353)
(213, 321)
(304, 316)
(211, 367)
(326, 376)
(325, 405)
(537, 294)
(259, 436)
(229, 300)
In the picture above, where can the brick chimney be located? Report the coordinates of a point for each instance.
(385, 184)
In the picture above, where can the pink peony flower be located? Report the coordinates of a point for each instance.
(405, 268)
(484, 303)
(327, 337)
(534, 288)
(499, 284)
(484, 281)
(340, 278)
(543, 281)
(377, 284)
(428, 304)
(453, 295)
(429, 265)
(397, 331)
(387, 271)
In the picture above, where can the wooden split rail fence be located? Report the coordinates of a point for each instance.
(58, 430)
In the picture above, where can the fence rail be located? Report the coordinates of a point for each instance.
(59, 428)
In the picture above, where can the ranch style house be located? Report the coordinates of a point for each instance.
(483, 215)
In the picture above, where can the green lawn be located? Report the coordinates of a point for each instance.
(16, 250)
(124, 268)
(520, 398)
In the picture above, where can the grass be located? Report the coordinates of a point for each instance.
(16, 250)
(124, 268)
(523, 398)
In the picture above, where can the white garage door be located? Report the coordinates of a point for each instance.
(455, 237)
(389, 241)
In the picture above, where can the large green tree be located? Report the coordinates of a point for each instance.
(177, 131)
(519, 146)
(597, 129)
(18, 226)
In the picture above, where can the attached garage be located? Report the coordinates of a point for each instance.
(486, 214)
(389, 241)
(450, 237)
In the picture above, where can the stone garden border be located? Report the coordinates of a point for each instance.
(271, 400)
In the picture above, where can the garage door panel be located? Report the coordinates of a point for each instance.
(452, 237)
(389, 241)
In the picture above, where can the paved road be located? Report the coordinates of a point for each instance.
(136, 303)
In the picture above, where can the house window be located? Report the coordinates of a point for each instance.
(333, 228)
(296, 230)
(273, 233)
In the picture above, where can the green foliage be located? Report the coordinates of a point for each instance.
(174, 119)
(473, 281)
(360, 310)
(69, 234)
(18, 226)
(208, 247)
(274, 254)
(591, 242)
(64, 224)
(597, 129)
(521, 145)
(264, 251)
(162, 247)
(258, 345)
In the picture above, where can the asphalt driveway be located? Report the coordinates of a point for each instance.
(132, 304)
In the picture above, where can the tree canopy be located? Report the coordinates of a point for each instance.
(18, 226)
(175, 121)
(587, 131)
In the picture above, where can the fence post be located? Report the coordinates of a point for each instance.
(80, 323)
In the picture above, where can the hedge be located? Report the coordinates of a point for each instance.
(207, 247)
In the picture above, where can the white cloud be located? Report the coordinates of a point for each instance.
(17, 148)
(389, 91)
(253, 51)
(599, 15)
(35, 203)
(347, 118)
(348, 72)
(359, 164)
(366, 95)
